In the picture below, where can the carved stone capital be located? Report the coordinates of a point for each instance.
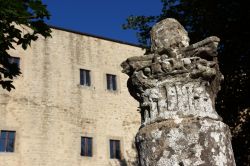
(176, 86)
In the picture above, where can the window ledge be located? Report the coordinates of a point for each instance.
(112, 91)
(86, 87)
(7, 153)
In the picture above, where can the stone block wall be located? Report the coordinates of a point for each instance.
(50, 110)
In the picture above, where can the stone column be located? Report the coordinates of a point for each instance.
(176, 86)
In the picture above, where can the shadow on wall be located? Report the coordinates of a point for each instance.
(123, 162)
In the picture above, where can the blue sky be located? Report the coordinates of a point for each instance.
(103, 17)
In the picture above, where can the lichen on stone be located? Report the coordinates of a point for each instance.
(176, 85)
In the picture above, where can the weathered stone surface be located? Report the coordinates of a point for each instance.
(164, 36)
(187, 142)
(50, 111)
(180, 98)
(176, 86)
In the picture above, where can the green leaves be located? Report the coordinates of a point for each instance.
(39, 10)
(143, 26)
(7, 85)
(17, 15)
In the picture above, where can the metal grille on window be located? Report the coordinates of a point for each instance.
(86, 146)
(85, 77)
(115, 151)
(7, 141)
(111, 82)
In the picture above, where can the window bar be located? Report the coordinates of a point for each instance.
(114, 82)
(114, 149)
(86, 147)
(6, 141)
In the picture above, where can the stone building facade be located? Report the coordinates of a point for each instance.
(50, 113)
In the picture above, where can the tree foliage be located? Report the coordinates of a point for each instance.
(21, 21)
(229, 20)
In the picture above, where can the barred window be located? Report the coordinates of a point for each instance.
(86, 146)
(111, 82)
(7, 141)
(115, 151)
(85, 77)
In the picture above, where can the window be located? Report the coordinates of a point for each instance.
(14, 60)
(111, 82)
(115, 152)
(86, 146)
(85, 77)
(7, 141)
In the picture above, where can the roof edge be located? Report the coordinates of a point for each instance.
(95, 36)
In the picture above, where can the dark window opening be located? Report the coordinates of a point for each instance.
(111, 82)
(85, 77)
(86, 146)
(7, 141)
(14, 60)
(115, 151)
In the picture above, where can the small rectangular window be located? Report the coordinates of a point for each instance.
(14, 60)
(7, 141)
(85, 77)
(111, 82)
(115, 151)
(86, 146)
